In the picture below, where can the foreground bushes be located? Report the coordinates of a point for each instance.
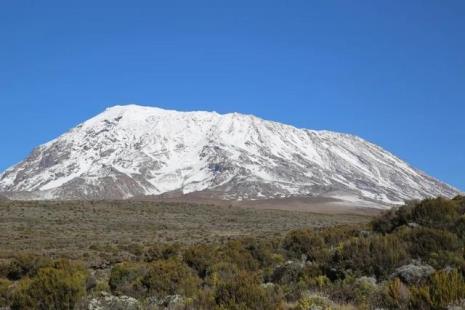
(4, 292)
(439, 213)
(61, 286)
(304, 243)
(126, 279)
(24, 265)
(341, 267)
(443, 289)
(170, 277)
(243, 291)
(373, 255)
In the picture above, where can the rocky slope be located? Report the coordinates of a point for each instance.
(129, 151)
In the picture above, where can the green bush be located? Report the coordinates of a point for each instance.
(126, 279)
(435, 213)
(261, 251)
(252, 272)
(161, 251)
(170, 277)
(460, 202)
(393, 218)
(4, 292)
(287, 274)
(134, 248)
(365, 292)
(21, 297)
(235, 252)
(220, 272)
(443, 259)
(243, 291)
(304, 242)
(375, 255)
(459, 227)
(314, 302)
(396, 295)
(25, 265)
(199, 257)
(422, 242)
(205, 299)
(444, 288)
(335, 235)
(59, 287)
(385, 223)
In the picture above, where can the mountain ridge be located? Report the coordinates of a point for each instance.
(132, 150)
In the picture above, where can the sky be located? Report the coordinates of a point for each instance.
(391, 72)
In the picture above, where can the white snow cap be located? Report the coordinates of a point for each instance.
(136, 150)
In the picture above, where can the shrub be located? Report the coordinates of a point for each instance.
(4, 292)
(199, 257)
(243, 292)
(220, 272)
(422, 242)
(420, 298)
(21, 298)
(4, 269)
(435, 213)
(396, 294)
(334, 235)
(126, 279)
(314, 302)
(294, 275)
(384, 223)
(170, 277)
(134, 248)
(442, 259)
(304, 242)
(235, 252)
(261, 251)
(205, 299)
(59, 287)
(318, 282)
(375, 255)
(25, 265)
(393, 218)
(161, 251)
(445, 288)
(459, 227)
(460, 202)
(287, 274)
(365, 292)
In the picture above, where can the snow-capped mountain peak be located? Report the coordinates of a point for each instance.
(134, 150)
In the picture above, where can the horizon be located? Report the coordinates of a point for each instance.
(390, 73)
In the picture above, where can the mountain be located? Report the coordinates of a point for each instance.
(129, 151)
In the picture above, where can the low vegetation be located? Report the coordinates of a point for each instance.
(112, 230)
(411, 257)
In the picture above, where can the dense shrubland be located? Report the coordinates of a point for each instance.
(411, 257)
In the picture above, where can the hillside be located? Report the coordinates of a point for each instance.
(132, 151)
(93, 255)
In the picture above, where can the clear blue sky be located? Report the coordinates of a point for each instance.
(392, 72)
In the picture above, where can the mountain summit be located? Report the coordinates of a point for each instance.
(132, 150)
